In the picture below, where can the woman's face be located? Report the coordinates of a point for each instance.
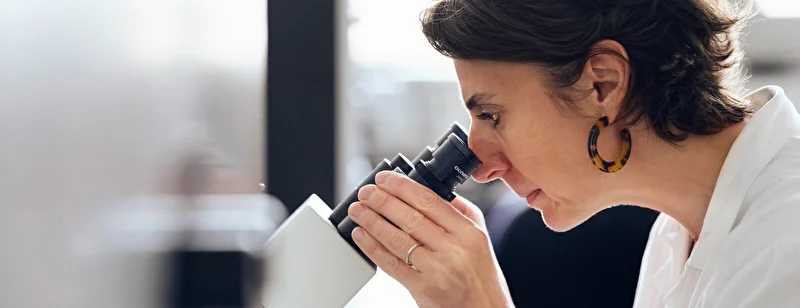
(523, 138)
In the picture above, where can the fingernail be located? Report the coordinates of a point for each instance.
(356, 209)
(358, 234)
(383, 177)
(365, 193)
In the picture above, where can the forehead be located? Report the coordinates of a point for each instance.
(491, 77)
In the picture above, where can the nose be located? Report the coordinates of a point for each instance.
(495, 164)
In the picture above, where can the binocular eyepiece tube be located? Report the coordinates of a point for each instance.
(441, 169)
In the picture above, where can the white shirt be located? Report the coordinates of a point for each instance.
(748, 252)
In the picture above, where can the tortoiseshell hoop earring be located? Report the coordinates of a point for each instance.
(608, 166)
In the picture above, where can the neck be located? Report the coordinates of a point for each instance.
(676, 180)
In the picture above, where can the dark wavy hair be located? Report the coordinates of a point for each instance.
(684, 55)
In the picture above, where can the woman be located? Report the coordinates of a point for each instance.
(582, 105)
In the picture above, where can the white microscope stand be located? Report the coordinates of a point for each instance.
(309, 265)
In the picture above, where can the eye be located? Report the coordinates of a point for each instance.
(490, 117)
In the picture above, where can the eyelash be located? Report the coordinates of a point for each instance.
(489, 116)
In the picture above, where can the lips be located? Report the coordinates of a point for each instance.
(532, 196)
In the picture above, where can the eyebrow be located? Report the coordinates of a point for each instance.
(476, 100)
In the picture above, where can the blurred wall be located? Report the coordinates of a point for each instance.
(772, 51)
(99, 103)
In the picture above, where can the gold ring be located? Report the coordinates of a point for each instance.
(408, 255)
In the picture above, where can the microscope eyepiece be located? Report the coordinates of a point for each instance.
(441, 169)
(452, 164)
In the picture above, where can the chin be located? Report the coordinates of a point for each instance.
(557, 217)
(557, 224)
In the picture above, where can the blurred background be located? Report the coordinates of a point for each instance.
(125, 123)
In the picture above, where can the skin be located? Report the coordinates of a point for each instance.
(528, 138)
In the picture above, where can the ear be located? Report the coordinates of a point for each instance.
(607, 73)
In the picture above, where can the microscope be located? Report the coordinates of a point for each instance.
(311, 259)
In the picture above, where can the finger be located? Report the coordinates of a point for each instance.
(395, 241)
(471, 211)
(402, 215)
(467, 208)
(423, 199)
(463, 206)
(388, 262)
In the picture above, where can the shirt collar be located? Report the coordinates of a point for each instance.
(775, 121)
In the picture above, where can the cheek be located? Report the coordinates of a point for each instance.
(552, 154)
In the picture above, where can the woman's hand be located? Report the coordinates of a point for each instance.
(454, 266)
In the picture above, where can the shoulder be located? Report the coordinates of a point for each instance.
(767, 278)
(775, 188)
(770, 213)
(758, 260)
(775, 192)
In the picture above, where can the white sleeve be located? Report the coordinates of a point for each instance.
(770, 279)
